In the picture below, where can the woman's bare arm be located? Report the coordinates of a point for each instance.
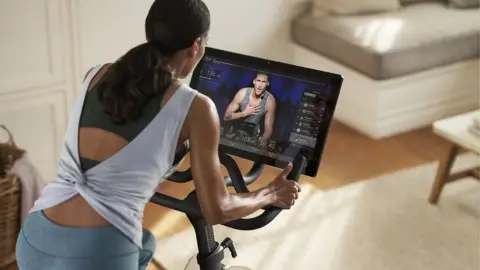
(217, 204)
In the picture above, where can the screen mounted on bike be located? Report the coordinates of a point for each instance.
(269, 111)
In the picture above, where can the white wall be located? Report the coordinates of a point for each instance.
(48, 45)
(255, 27)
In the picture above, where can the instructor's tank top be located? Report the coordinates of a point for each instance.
(258, 118)
(120, 187)
(254, 118)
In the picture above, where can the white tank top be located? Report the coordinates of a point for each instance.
(120, 187)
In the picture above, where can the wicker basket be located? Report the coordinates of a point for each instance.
(10, 195)
(9, 218)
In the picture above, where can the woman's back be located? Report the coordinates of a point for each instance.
(126, 173)
(99, 137)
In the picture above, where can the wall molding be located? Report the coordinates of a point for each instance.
(37, 97)
(54, 74)
(55, 101)
(75, 43)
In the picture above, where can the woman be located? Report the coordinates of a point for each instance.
(129, 121)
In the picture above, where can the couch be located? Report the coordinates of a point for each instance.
(404, 66)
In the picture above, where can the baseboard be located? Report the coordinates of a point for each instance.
(381, 109)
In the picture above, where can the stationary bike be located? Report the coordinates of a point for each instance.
(210, 252)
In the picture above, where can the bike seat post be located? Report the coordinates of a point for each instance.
(210, 252)
(205, 236)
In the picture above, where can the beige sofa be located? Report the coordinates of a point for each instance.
(403, 68)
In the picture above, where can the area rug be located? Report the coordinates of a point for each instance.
(385, 223)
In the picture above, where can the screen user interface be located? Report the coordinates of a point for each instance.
(265, 112)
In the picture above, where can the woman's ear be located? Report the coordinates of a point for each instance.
(195, 49)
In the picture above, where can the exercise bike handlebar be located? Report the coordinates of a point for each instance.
(190, 204)
(270, 212)
(250, 177)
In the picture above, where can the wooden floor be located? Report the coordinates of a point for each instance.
(349, 157)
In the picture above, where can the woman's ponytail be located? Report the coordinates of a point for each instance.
(132, 81)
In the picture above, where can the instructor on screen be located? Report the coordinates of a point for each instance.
(255, 104)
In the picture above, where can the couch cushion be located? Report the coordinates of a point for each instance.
(464, 3)
(349, 7)
(418, 37)
(408, 2)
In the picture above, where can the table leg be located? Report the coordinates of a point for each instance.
(443, 173)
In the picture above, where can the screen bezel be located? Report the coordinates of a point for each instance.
(335, 80)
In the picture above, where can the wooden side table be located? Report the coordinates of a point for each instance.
(455, 130)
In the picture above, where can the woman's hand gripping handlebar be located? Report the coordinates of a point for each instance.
(271, 211)
(190, 205)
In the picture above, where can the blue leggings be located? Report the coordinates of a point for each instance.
(43, 245)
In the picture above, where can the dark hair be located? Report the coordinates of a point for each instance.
(262, 73)
(141, 74)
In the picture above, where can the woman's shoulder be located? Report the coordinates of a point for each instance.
(202, 101)
(202, 105)
(201, 114)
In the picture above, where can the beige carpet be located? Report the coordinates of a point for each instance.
(384, 223)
